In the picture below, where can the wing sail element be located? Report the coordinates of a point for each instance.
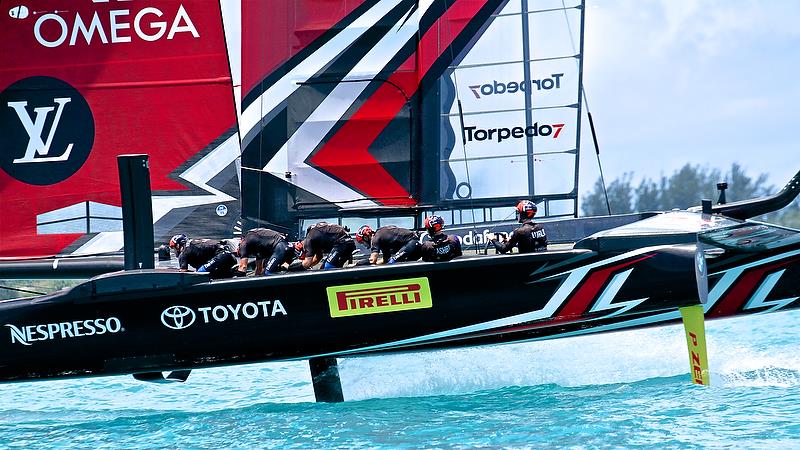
(358, 117)
(84, 81)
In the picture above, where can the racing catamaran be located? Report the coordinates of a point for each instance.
(382, 111)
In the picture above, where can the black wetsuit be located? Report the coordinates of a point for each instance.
(441, 247)
(207, 255)
(331, 239)
(263, 243)
(396, 244)
(530, 237)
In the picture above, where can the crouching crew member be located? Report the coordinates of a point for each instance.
(394, 243)
(267, 245)
(530, 237)
(327, 238)
(205, 255)
(440, 247)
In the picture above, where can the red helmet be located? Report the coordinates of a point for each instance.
(364, 233)
(434, 224)
(299, 251)
(526, 209)
(178, 239)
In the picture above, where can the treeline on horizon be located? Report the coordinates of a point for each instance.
(683, 189)
(26, 288)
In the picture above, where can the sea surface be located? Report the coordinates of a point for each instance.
(626, 389)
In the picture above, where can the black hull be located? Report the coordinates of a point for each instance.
(144, 321)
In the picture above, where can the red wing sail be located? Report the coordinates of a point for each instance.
(356, 112)
(83, 81)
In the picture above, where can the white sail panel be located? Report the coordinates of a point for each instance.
(507, 176)
(501, 43)
(554, 173)
(560, 207)
(504, 87)
(515, 132)
(490, 178)
(554, 34)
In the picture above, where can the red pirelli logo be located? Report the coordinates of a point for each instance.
(379, 297)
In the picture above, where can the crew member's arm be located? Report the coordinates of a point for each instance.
(427, 251)
(498, 246)
(456, 246)
(373, 258)
(243, 262)
(385, 256)
(375, 248)
(311, 261)
(259, 266)
(310, 249)
(508, 245)
(183, 262)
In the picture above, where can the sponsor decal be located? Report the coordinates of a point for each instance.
(379, 297)
(114, 26)
(473, 238)
(511, 87)
(222, 210)
(179, 317)
(502, 134)
(26, 335)
(46, 130)
(697, 368)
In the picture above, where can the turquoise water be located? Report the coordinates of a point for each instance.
(624, 389)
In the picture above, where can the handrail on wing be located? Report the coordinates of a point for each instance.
(746, 209)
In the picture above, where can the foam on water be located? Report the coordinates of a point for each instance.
(622, 357)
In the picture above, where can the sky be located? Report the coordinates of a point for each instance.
(708, 82)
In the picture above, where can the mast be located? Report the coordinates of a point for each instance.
(580, 106)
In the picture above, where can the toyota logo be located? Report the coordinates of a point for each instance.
(177, 317)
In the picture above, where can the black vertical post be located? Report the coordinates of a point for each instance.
(137, 211)
(325, 378)
(721, 186)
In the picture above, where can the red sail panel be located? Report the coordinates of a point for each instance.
(274, 31)
(84, 81)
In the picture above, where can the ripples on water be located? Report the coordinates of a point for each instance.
(622, 389)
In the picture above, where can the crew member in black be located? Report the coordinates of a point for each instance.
(440, 247)
(265, 244)
(530, 237)
(326, 238)
(205, 255)
(394, 243)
